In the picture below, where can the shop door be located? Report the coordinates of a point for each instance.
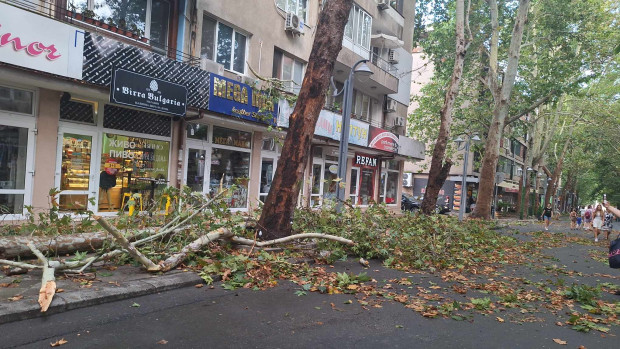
(197, 161)
(16, 168)
(76, 175)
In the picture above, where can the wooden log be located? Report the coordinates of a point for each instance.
(245, 241)
(16, 246)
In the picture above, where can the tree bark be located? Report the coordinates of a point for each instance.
(439, 168)
(277, 214)
(501, 106)
(16, 246)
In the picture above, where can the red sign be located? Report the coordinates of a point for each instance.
(33, 49)
(383, 140)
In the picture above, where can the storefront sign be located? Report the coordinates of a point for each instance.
(145, 92)
(358, 131)
(383, 140)
(230, 97)
(233, 138)
(362, 160)
(325, 124)
(40, 43)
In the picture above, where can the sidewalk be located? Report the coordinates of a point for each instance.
(19, 293)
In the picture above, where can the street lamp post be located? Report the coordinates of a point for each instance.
(343, 148)
(466, 146)
(523, 189)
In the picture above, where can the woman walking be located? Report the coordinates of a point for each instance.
(573, 219)
(547, 216)
(597, 221)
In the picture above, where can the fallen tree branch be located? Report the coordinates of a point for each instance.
(125, 244)
(245, 241)
(48, 280)
(20, 264)
(176, 259)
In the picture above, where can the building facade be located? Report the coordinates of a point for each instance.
(105, 100)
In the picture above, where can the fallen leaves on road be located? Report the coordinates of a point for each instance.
(199, 285)
(163, 341)
(559, 341)
(59, 343)
(16, 298)
(499, 319)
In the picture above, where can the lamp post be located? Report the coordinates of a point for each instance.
(523, 179)
(343, 148)
(466, 144)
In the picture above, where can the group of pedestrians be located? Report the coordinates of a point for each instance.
(592, 219)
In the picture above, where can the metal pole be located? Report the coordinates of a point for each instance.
(464, 182)
(343, 147)
(524, 177)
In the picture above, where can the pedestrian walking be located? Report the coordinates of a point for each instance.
(597, 221)
(573, 219)
(587, 215)
(547, 216)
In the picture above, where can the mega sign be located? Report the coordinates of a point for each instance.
(36, 42)
(146, 92)
(230, 97)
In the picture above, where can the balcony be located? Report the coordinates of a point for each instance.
(381, 82)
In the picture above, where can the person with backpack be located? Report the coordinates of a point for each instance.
(587, 217)
(547, 216)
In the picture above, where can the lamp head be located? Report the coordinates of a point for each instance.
(519, 171)
(458, 140)
(529, 169)
(475, 138)
(363, 70)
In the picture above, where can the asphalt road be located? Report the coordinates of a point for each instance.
(278, 318)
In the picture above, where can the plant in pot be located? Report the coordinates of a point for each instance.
(133, 31)
(122, 25)
(98, 21)
(111, 25)
(89, 16)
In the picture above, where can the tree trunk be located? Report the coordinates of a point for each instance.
(439, 169)
(501, 107)
(16, 246)
(277, 214)
(551, 189)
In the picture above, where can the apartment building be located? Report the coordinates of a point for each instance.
(107, 99)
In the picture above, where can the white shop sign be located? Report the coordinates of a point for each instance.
(37, 42)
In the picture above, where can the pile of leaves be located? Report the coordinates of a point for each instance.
(408, 241)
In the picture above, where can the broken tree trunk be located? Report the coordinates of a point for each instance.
(17, 246)
(48, 280)
(244, 241)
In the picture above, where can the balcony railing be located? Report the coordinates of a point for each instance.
(62, 14)
(383, 64)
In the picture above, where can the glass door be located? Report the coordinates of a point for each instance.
(267, 171)
(75, 176)
(354, 187)
(16, 147)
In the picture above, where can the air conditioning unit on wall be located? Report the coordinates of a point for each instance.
(392, 56)
(383, 4)
(293, 23)
(407, 179)
(399, 121)
(390, 105)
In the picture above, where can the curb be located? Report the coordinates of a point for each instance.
(73, 300)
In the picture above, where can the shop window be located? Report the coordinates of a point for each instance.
(136, 121)
(354, 184)
(196, 169)
(223, 44)
(270, 144)
(298, 7)
(358, 28)
(367, 184)
(234, 138)
(13, 155)
(149, 18)
(389, 187)
(266, 177)
(289, 70)
(75, 171)
(131, 165)
(16, 100)
(197, 131)
(315, 194)
(330, 182)
(231, 167)
(81, 112)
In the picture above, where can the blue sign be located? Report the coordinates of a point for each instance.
(230, 97)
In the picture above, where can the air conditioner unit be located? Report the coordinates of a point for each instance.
(293, 24)
(407, 179)
(392, 56)
(399, 121)
(383, 4)
(390, 105)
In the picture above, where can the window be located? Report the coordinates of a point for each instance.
(389, 182)
(144, 17)
(361, 106)
(16, 101)
(358, 27)
(223, 44)
(13, 156)
(289, 70)
(298, 7)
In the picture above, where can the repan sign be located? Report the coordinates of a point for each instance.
(36, 42)
(361, 160)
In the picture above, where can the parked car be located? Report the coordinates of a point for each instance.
(413, 204)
